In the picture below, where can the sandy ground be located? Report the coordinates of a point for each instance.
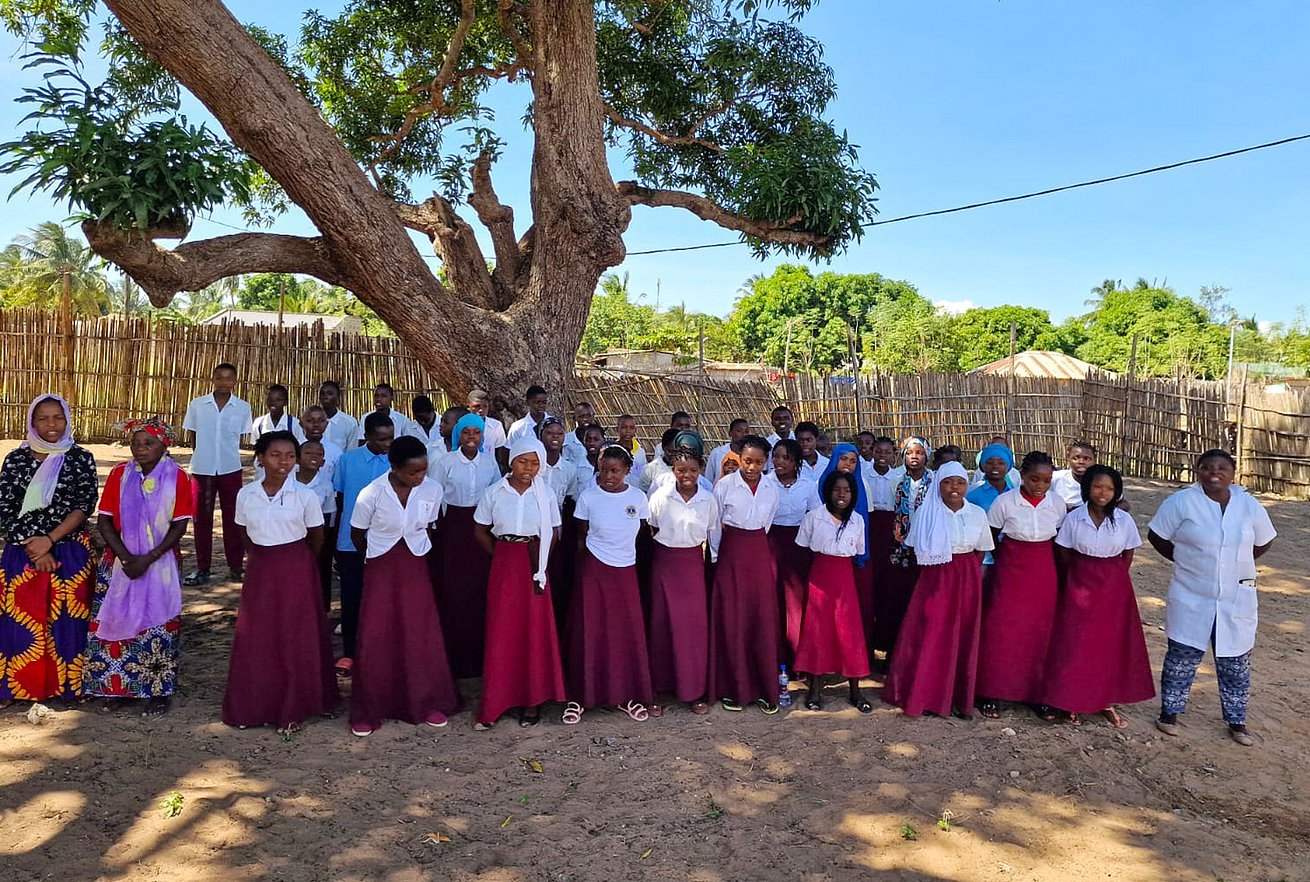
(804, 795)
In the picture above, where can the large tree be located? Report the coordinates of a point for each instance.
(719, 110)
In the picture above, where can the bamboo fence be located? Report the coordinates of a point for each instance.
(1274, 440)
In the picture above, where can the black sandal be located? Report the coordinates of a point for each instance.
(860, 703)
(813, 700)
(990, 709)
(527, 720)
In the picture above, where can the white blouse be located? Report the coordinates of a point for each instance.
(321, 486)
(1116, 534)
(880, 490)
(511, 513)
(283, 519)
(562, 478)
(683, 523)
(342, 430)
(464, 480)
(814, 472)
(651, 471)
(969, 529)
(1019, 519)
(820, 534)
(1066, 486)
(1213, 586)
(740, 508)
(794, 501)
(378, 510)
(613, 520)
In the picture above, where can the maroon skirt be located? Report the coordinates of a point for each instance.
(521, 667)
(936, 662)
(461, 591)
(1018, 614)
(891, 599)
(877, 570)
(1098, 654)
(744, 619)
(280, 671)
(832, 635)
(793, 563)
(400, 672)
(679, 632)
(607, 659)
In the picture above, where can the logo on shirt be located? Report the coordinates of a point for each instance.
(630, 511)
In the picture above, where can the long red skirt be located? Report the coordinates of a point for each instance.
(679, 632)
(1018, 614)
(1098, 654)
(280, 671)
(832, 636)
(401, 672)
(521, 667)
(877, 570)
(462, 591)
(936, 662)
(744, 619)
(607, 659)
(891, 599)
(793, 563)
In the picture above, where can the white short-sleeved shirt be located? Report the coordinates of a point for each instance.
(400, 425)
(283, 519)
(1019, 519)
(880, 490)
(668, 479)
(969, 529)
(683, 523)
(415, 430)
(464, 480)
(613, 521)
(814, 472)
(493, 434)
(343, 430)
(218, 434)
(774, 438)
(524, 426)
(562, 478)
(321, 486)
(714, 464)
(511, 513)
(651, 471)
(264, 424)
(573, 449)
(1116, 534)
(378, 510)
(740, 508)
(1213, 586)
(795, 500)
(1066, 486)
(820, 534)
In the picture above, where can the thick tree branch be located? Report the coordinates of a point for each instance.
(498, 218)
(457, 246)
(162, 273)
(504, 10)
(660, 137)
(778, 232)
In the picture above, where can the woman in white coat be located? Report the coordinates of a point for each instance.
(1213, 532)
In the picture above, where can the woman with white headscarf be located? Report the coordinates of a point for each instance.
(936, 661)
(517, 522)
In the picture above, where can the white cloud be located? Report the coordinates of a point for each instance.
(953, 307)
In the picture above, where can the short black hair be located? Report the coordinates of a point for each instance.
(678, 415)
(883, 439)
(867, 434)
(456, 411)
(806, 426)
(278, 387)
(268, 439)
(375, 421)
(593, 427)
(792, 446)
(625, 416)
(584, 404)
(405, 448)
(422, 404)
(315, 407)
(333, 383)
(938, 455)
(385, 385)
(781, 408)
(760, 444)
(615, 451)
(666, 440)
(738, 422)
(1086, 445)
(1216, 453)
(225, 366)
(534, 390)
(1035, 459)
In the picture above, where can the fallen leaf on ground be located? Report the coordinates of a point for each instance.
(505, 823)
(647, 853)
(436, 838)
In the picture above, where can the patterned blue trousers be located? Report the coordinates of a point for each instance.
(1234, 674)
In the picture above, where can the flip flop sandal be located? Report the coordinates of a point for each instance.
(813, 703)
(990, 709)
(290, 729)
(1114, 717)
(700, 708)
(572, 714)
(486, 727)
(730, 705)
(768, 709)
(1046, 713)
(636, 711)
(1075, 720)
(362, 732)
(527, 720)
(861, 704)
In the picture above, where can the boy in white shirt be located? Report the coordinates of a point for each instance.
(276, 419)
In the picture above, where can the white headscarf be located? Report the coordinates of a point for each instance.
(930, 525)
(545, 496)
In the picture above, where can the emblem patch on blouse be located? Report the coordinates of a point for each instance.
(630, 511)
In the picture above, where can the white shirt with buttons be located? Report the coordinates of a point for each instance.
(1116, 534)
(283, 519)
(378, 510)
(1019, 519)
(821, 534)
(464, 480)
(218, 434)
(794, 500)
(511, 513)
(880, 490)
(683, 523)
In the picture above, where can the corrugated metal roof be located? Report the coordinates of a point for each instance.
(347, 323)
(1038, 363)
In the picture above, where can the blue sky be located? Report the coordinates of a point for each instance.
(957, 101)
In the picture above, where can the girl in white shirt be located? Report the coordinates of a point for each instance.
(461, 565)
(832, 633)
(744, 621)
(797, 495)
(400, 670)
(1019, 610)
(280, 672)
(1098, 655)
(936, 662)
(893, 592)
(1067, 483)
(607, 659)
(683, 515)
(517, 524)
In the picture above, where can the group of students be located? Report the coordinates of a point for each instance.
(561, 566)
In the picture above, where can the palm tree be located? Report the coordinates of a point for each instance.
(1101, 291)
(46, 259)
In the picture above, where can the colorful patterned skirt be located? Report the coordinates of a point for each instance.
(144, 666)
(43, 622)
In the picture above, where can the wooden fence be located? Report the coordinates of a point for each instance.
(116, 368)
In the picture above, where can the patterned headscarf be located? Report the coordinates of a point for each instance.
(154, 425)
(41, 489)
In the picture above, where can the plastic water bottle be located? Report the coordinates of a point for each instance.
(784, 697)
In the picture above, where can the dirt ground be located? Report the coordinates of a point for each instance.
(805, 795)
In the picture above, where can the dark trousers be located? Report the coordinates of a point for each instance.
(225, 487)
(325, 560)
(350, 564)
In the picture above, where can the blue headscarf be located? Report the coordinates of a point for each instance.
(861, 502)
(999, 451)
(468, 421)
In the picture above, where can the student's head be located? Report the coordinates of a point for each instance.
(1035, 473)
(807, 433)
(738, 429)
(449, 417)
(666, 442)
(1103, 487)
(593, 439)
(680, 420)
(824, 444)
(378, 432)
(425, 412)
(383, 396)
(996, 460)
(583, 414)
(49, 420)
(786, 459)
(686, 470)
(864, 444)
(552, 433)
(1215, 470)
(947, 453)
(731, 463)
(1082, 456)
(914, 453)
(839, 494)
(848, 458)
(781, 420)
(952, 485)
(277, 452)
(525, 461)
(536, 399)
(313, 422)
(477, 402)
(329, 394)
(627, 427)
(225, 378)
(276, 398)
(312, 456)
(612, 467)
(467, 435)
(409, 461)
(754, 457)
(884, 452)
